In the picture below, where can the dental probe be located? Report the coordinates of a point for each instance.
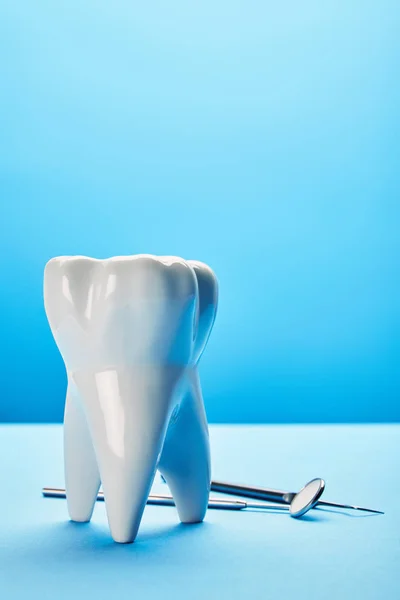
(169, 501)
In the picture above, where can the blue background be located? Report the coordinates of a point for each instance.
(260, 137)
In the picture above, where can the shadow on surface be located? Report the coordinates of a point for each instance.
(85, 544)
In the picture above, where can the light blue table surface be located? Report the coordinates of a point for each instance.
(335, 555)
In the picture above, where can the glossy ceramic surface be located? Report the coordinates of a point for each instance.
(131, 331)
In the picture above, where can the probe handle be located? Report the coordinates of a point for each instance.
(216, 503)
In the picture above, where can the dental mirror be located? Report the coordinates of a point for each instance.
(306, 498)
(299, 502)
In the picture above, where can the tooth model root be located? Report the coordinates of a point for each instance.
(128, 411)
(82, 479)
(185, 459)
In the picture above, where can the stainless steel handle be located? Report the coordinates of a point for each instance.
(247, 491)
(158, 500)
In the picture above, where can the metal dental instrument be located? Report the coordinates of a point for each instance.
(299, 503)
(217, 503)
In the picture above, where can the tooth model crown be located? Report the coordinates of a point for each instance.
(131, 331)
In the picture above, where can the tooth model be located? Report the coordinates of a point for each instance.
(131, 331)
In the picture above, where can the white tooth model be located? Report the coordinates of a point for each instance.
(131, 331)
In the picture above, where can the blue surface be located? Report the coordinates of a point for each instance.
(262, 138)
(326, 556)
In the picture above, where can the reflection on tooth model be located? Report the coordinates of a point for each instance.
(131, 331)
